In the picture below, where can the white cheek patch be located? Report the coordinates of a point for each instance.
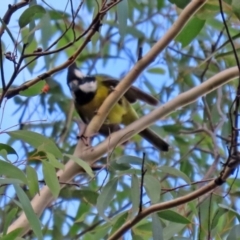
(88, 87)
(73, 85)
(78, 73)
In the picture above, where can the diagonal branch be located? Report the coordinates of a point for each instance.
(41, 201)
(166, 109)
(128, 80)
(12, 92)
(10, 11)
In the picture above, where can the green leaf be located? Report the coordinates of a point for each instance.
(120, 221)
(46, 31)
(12, 235)
(181, 4)
(236, 8)
(10, 181)
(122, 15)
(156, 228)
(3, 154)
(30, 14)
(130, 160)
(172, 216)
(136, 237)
(160, 4)
(89, 196)
(153, 188)
(34, 90)
(28, 210)
(8, 149)
(54, 162)
(172, 128)
(82, 164)
(135, 32)
(181, 238)
(95, 38)
(32, 180)
(171, 230)
(135, 194)
(175, 172)
(119, 167)
(217, 216)
(190, 31)
(106, 196)
(156, 70)
(50, 178)
(32, 30)
(12, 171)
(38, 141)
(234, 233)
(9, 218)
(230, 209)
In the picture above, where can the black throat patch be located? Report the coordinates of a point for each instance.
(82, 98)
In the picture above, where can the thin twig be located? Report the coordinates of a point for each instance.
(10, 11)
(143, 172)
(1, 66)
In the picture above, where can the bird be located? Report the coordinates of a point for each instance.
(89, 92)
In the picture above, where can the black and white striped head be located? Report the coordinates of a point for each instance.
(77, 81)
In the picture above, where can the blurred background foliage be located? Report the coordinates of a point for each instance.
(93, 208)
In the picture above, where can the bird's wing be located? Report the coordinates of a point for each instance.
(133, 94)
(85, 120)
(106, 130)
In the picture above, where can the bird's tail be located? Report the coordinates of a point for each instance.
(154, 139)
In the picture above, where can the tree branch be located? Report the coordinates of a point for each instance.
(10, 11)
(166, 109)
(41, 201)
(127, 81)
(172, 203)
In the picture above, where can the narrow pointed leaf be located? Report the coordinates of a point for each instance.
(8, 148)
(51, 179)
(32, 180)
(31, 13)
(135, 194)
(34, 90)
(28, 210)
(12, 235)
(122, 15)
(54, 162)
(153, 188)
(190, 31)
(81, 163)
(173, 216)
(175, 172)
(12, 171)
(106, 197)
(156, 227)
(37, 140)
(9, 218)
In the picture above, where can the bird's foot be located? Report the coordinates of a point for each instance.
(112, 89)
(86, 140)
(82, 127)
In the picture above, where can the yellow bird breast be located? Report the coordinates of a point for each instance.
(116, 114)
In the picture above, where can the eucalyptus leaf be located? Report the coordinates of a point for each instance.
(106, 196)
(31, 13)
(28, 210)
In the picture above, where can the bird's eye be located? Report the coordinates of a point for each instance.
(83, 80)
